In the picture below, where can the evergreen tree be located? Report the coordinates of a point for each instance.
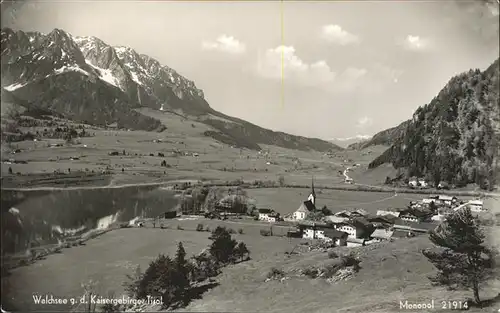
(223, 246)
(462, 259)
(182, 270)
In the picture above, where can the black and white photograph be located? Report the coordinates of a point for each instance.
(250, 156)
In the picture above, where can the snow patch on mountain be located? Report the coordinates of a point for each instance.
(70, 68)
(135, 78)
(105, 74)
(14, 86)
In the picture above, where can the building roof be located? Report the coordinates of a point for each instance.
(265, 211)
(356, 240)
(387, 212)
(309, 205)
(382, 233)
(446, 198)
(389, 219)
(335, 234)
(335, 219)
(399, 233)
(423, 227)
(476, 202)
(343, 213)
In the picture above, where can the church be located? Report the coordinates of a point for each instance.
(307, 206)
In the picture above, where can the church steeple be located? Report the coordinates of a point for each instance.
(312, 196)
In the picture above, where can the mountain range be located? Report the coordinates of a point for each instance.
(349, 141)
(87, 80)
(455, 138)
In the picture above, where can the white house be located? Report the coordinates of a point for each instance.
(408, 217)
(349, 229)
(423, 183)
(476, 205)
(268, 215)
(324, 232)
(413, 183)
(428, 201)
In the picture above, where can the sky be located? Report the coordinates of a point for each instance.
(322, 69)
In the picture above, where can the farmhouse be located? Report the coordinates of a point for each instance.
(323, 231)
(409, 217)
(476, 205)
(422, 183)
(356, 228)
(268, 215)
(448, 200)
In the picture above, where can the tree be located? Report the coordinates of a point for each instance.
(181, 273)
(462, 260)
(223, 246)
(241, 251)
(10, 170)
(326, 211)
(204, 267)
(133, 281)
(281, 180)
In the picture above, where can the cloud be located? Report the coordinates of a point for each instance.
(226, 44)
(283, 61)
(335, 34)
(364, 122)
(416, 43)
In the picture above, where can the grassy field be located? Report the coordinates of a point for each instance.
(107, 259)
(215, 161)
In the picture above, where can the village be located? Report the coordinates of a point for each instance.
(348, 227)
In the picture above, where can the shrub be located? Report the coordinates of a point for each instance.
(240, 231)
(311, 272)
(231, 231)
(265, 232)
(332, 254)
(275, 273)
(199, 227)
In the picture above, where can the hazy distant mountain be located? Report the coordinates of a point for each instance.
(385, 138)
(345, 142)
(87, 80)
(455, 138)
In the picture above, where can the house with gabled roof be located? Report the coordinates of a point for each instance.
(323, 231)
(356, 227)
(268, 215)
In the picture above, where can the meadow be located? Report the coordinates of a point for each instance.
(107, 259)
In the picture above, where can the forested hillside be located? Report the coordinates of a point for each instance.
(455, 137)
